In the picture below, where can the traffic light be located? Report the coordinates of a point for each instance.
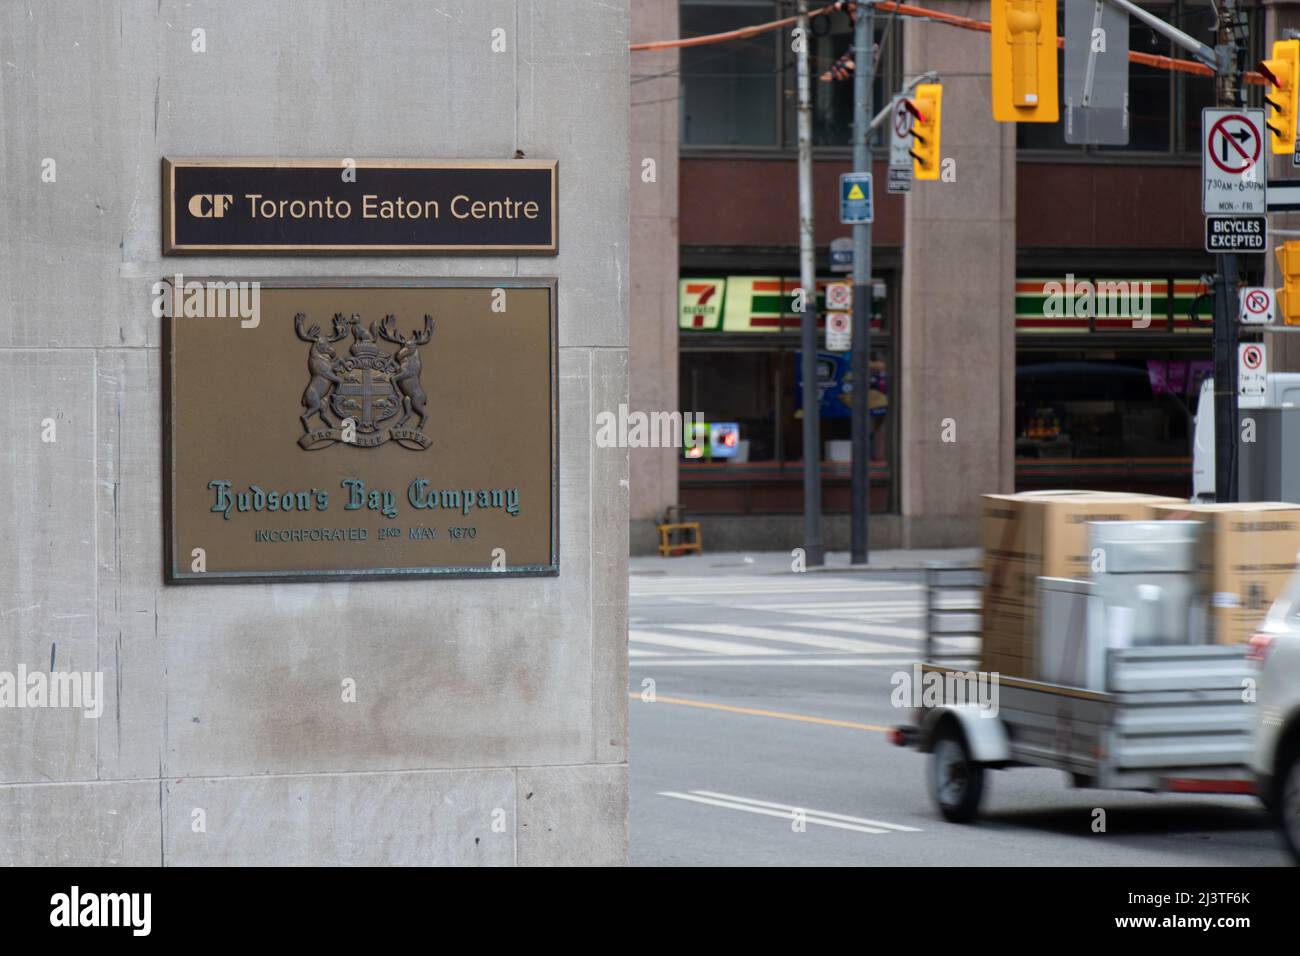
(1024, 61)
(926, 107)
(1288, 297)
(1281, 71)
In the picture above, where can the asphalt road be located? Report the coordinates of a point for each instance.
(771, 695)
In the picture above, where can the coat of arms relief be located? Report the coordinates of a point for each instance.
(377, 390)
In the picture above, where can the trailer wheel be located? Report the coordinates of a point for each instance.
(956, 781)
(1288, 800)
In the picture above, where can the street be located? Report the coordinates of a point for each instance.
(771, 695)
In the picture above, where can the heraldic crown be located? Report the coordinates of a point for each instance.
(357, 397)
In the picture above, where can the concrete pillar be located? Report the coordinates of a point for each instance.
(653, 256)
(957, 362)
(490, 718)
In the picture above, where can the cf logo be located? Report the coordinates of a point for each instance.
(205, 206)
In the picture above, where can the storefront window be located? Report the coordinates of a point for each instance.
(739, 361)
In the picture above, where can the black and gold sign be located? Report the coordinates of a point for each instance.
(285, 206)
(348, 428)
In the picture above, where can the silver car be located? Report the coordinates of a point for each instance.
(1276, 650)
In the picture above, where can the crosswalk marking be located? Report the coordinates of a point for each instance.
(792, 661)
(836, 607)
(766, 808)
(775, 620)
(826, 642)
(871, 629)
(677, 587)
(700, 644)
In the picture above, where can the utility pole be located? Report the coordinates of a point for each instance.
(1225, 60)
(860, 502)
(1228, 93)
(812, 454)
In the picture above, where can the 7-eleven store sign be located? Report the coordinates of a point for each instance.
(699, 303)
(766, 304)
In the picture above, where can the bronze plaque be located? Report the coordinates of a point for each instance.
(290, 206)
(360, 427)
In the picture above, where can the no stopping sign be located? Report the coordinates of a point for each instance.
(1252, 375)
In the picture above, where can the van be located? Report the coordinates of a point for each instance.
(1281, 390)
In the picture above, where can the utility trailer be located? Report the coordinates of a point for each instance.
(1169, 718)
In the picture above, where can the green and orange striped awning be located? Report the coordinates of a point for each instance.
(1065, 304)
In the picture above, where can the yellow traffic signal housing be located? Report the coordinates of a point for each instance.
(1288, 297)
(1281, 71)
(1024, 63)
(926, 107)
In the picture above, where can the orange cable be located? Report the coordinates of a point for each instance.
(966, 23)
(743, 33)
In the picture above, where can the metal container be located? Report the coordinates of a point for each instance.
(1146, 576)
(1071, 634)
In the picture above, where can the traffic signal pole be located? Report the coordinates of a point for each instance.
(1226, 429)
(1224, 59)
(812, 452)
(860, 491)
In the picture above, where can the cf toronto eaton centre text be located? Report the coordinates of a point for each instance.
(358, 498)
(372, 207)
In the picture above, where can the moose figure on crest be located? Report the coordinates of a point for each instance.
(407, 357)
(320, 362)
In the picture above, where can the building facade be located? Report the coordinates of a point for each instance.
(1039, 318)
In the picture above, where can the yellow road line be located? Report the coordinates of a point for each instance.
(756, 712)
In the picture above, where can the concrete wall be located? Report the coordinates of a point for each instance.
(478, 701)
(655, 124)
(959, 259)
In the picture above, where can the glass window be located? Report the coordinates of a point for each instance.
(833, 101)
(745, 92)
(729, 90)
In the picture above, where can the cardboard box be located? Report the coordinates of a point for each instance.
(1032, 534)
(1248, 556)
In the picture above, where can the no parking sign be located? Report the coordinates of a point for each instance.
(1256, 305)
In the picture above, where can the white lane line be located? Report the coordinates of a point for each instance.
(821, 813)
(637, 652)
(700, 644)
(837, 821)
(767, 813)
(852, 645)
(780, 662)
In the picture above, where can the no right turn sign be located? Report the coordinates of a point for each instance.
(1232, 153)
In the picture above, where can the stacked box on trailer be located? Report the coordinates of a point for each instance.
(1035, 534)
(1248, 555)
